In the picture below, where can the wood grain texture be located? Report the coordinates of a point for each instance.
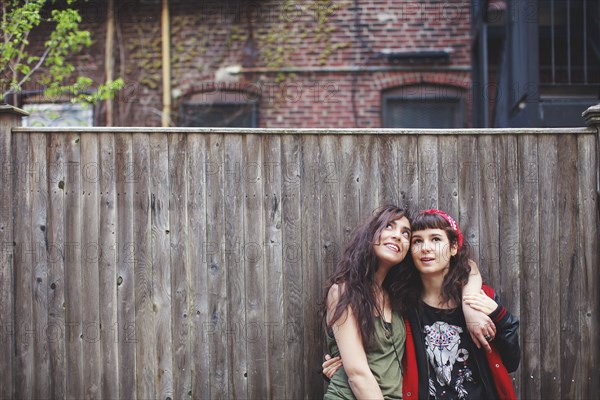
(192, 264)
(145, 356)
(234, 246)
(507, 172)
(107, 264)
(180, 274)
(294, 284)
(161, 261)
(39, 220)
(217, 310)
(125, 329)
(8, 120)
(274, 326)
(489, 246)
(570, 272)
(589, 307)
(25, 258)
(254, 267)
(200, 351)
(74, 295)
(90, 252)
(529, 261)
(56, 264)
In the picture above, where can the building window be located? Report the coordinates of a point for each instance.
(569, 49)
(58, 114)
(423, 106)
(221, 109)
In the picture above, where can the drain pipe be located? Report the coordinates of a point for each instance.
(166, 64)
(109, 59)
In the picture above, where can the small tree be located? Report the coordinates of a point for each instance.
(52, 67)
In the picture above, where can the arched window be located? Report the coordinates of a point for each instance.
(423, 106)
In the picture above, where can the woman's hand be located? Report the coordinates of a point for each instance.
(331, 365)
(481, 302)
(480, 326)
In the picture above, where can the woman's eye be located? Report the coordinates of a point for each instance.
(406, 234)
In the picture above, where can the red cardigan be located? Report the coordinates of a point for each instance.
(410, 375)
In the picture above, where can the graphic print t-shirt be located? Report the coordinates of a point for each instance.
(453, 372)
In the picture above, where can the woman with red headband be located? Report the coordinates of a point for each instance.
(440, 360)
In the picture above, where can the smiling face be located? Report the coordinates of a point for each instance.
(431, 251)
(393, 243)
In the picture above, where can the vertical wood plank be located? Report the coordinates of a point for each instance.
(56, 267)
(350, 174)
(293, 277)
(217, 277)
(428, 172)
(274, 326)
(331, 244)
(368, 173)
(125, 327)
(23, 272)
(182, 378)
(161, 263)
(387, 171)
(448, 176)
(408, 159)
(92, 372)
(7, 317)
(509, 238)
(145, 356)
(570, 274)
(550, 221)
(529, 255)
(108, 176)
(254, 266)
(39, 221)
(469, 193)
(489, 250)
(236, 173)
(330, 182)
(74, 296)
(587, 163)
(196, 155)
(311, 255)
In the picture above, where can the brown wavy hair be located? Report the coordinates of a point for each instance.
(407, 287)
(355, 273)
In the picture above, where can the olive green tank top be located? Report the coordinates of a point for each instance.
(384, 361)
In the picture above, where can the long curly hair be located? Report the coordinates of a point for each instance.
(407, 287)
(355, 273)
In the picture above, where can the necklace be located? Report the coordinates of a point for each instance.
(387, 327)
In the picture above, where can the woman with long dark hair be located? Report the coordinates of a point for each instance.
(362, 325)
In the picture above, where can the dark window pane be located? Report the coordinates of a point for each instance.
(423, 114)
(218, 115)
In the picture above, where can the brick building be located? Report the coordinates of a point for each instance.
(276, 64)
(339, 64)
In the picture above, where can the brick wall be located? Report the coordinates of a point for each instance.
(326, 37)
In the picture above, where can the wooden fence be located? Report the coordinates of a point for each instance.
(189, 263)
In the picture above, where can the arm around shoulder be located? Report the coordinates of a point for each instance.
(507, 336)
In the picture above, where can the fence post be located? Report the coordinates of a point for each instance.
(10, 117)
(592, 116)
(592, 119)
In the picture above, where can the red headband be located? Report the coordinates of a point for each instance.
(448, 219)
